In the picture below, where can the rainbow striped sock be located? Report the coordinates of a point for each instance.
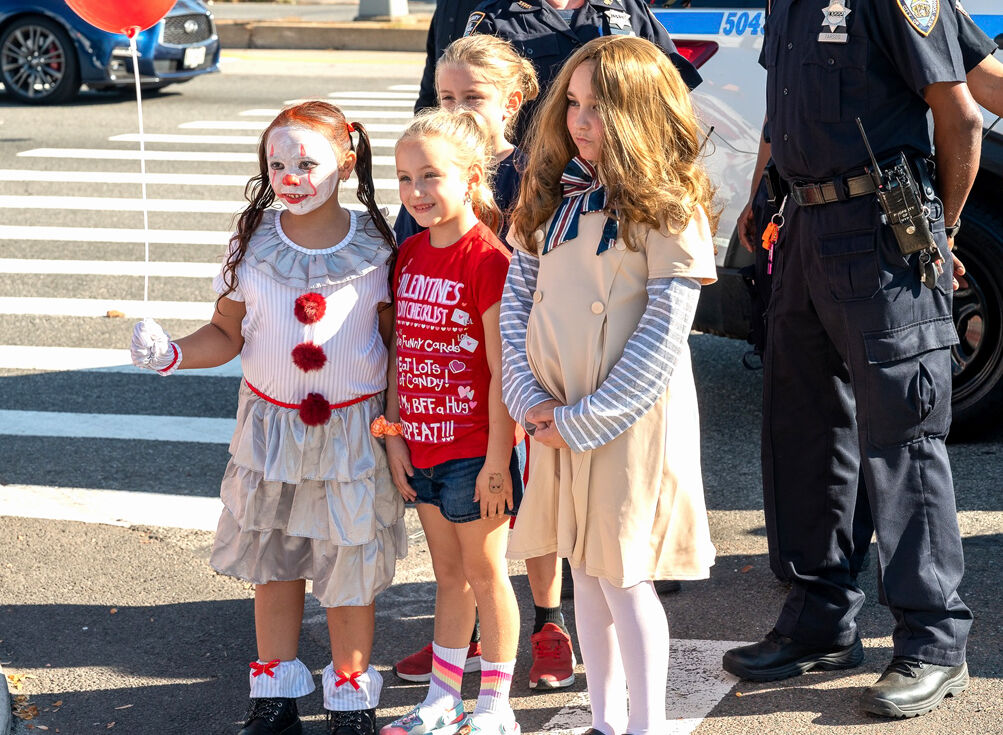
(496, 680)
(447, 676)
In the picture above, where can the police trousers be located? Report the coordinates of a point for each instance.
(857, 386)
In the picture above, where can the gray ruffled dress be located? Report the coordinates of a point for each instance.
(305, 498)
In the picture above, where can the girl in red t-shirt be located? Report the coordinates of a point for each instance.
(455, 453)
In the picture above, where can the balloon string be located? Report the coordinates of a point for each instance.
(142, 168)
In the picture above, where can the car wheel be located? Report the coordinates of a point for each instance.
(978, 316)
(38, 62)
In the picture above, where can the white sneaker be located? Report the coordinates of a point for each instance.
(488, 724)
(424, 720)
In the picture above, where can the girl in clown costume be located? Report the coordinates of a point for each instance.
(305, 301)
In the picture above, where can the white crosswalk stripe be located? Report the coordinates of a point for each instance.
(57, 359)
(123, 177)
(131, 154)
(120, 204)
(256, 125)
(251, 140)
(108, 268)
(131, 309)
(113, 234)
(135, 155)
(406, 97)
(117, 426)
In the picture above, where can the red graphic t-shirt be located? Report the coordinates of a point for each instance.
(442, 368)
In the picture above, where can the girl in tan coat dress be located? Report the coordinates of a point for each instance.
(612, 238)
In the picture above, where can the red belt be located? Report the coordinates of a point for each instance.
(314, 409)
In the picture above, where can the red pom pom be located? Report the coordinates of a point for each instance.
(315, 410)
(309, 356)
(310, 308)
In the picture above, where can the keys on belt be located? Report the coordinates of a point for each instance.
(826, 192)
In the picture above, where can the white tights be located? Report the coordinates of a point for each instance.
(624, 638)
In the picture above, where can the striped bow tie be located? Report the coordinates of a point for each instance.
(582, 194)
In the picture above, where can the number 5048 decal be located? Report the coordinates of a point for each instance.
(742, 24)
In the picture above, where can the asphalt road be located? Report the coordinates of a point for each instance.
(127, 627)
(310, 12)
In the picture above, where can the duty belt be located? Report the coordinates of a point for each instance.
(835, 190)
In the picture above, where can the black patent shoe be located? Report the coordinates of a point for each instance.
(780, 657)
(909, 688)
(272, 716)
(353, 722)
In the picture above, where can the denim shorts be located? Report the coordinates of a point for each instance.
(450, 486)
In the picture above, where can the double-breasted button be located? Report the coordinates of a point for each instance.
(538, 296)
(538, 235)
(620, 245)
(597, 307)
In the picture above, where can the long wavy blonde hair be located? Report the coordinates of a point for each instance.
(651, 158)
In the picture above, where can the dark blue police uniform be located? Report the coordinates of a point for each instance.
(540, 34)
(975, 44)
(858, 368)
(449, 20)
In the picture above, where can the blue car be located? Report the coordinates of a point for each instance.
(47, 51)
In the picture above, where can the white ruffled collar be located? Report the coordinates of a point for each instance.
(352, 219)
(272, 252)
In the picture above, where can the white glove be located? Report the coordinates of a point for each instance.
(152, 348)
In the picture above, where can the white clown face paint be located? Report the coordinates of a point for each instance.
(303, 168)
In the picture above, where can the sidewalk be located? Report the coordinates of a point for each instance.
(329, 25)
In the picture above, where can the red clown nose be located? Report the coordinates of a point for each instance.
(291, 180)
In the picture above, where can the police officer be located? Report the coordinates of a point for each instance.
(857, 373)
(984, 75)
(449, 20)
(547, 32)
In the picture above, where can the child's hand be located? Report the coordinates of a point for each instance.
(541, 416)
(151, 347)
(551, 437)
(493, 489)
(399, 459)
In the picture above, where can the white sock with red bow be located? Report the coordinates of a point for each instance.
(347, 691)
(280, 679)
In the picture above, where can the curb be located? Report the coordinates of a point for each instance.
(5, 716)
(360, 35)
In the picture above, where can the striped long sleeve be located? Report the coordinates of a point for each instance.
(641, 374)
(520, 391)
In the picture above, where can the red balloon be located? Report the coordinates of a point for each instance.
(121, 16)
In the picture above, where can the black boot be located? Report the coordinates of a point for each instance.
(272, 716)
(351, 722)
(909, 688)
(780, 657)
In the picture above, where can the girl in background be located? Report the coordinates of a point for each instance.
(487, 75)
(612, 237)
(305, 301)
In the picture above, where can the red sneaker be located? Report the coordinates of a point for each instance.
(553, 660)
(418, 666)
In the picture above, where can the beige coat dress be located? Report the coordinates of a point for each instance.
(633, 509)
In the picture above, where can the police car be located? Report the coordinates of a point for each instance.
(723, 39)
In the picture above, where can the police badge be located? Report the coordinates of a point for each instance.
(834, 18)
(921, 14)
